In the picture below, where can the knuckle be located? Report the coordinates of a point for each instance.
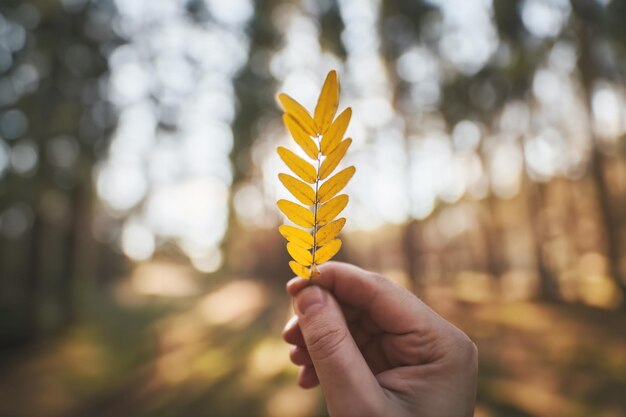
(467, 351)
(325, 343)
(474, 354)
(379, 278)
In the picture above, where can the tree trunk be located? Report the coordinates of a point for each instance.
(548, 285)
(609, 219)
(32, 280)
(409, 248)
(493, 238)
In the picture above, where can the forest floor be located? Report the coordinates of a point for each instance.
(218, 353)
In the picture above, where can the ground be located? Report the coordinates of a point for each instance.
(215, 350)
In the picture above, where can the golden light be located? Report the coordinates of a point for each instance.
(163, 279)
(235, 304)
(268, 358)
(474, 287)
(291, 401)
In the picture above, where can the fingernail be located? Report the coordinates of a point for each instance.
(292, 282)
(307, 298)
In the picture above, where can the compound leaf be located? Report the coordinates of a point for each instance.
(321, 139)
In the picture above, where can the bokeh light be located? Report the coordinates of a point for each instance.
(141, 273)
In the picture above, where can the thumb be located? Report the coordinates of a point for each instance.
(341, 369)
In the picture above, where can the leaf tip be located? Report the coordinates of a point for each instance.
(281, 98)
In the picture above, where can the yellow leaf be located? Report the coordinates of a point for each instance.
(298, 165)
(335, 132)
(335, 184)
(300, 190)
(333, 159)
(327, 103)
(296, 213)
(302, 256)
(313, 184)
(328, 232)
(330, 210)
(327, 251)
(299, 270)
(297, 236)
(299, 114)
(302, 138)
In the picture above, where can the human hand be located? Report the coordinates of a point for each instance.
(376, 349)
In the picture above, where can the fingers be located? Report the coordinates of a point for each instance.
(299, 355)
(391, 307)
(292, 333)
(341, 369)
(307, 378)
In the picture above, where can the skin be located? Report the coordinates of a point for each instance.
(376, 349)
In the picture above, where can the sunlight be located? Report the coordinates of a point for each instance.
(121, 185)
(545, 18)
(474, 287)
(213, 364)
(505, 168)
(292, 401)
(194, 210)
(235, 304)
(521, 316)
(592, 284)
(208, 262)
(178, 331)
(163, 279)
(518, 285)
(599, 291)
(137, 241)
(268, 358)
(170, 148)
(25, 157)
(141, 269)
(608, 111)
(470, 37)
(173, 367)
(482, 411)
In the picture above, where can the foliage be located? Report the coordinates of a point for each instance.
(320, 137)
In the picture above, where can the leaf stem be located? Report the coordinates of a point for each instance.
(315, 207)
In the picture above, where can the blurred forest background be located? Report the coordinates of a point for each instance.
(141, 272)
